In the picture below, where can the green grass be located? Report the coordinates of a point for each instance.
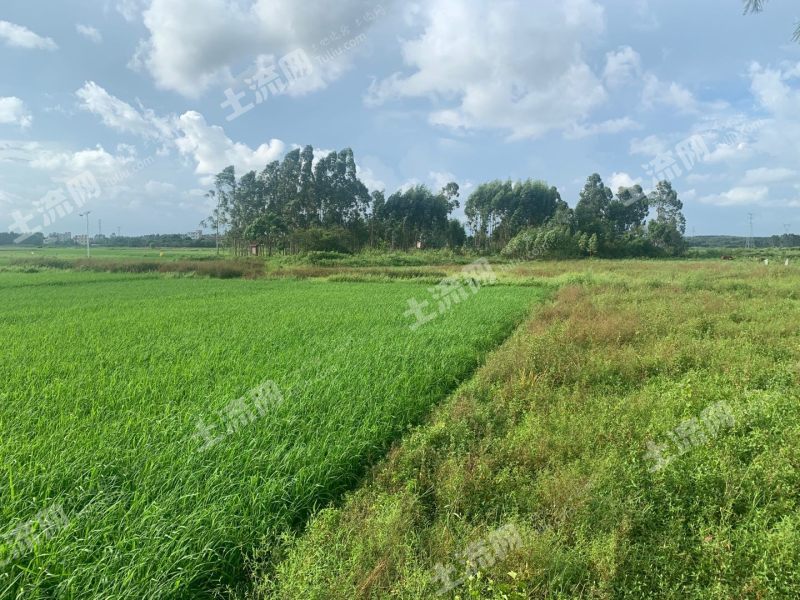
(551, 434)
(8, 253)
(104, 377)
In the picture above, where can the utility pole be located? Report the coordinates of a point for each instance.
(786, 233)
(86, 214)
(216, 222)
(750, 243)
(99, 226)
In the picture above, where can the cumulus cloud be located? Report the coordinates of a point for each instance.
(660, 93)
(90, 33)
(738, 196)
(213, 150)
(192, 44)
(13, 110)
(778, 134)
(121, 116)
(618, 180)
(622, 66)
(766, 175)
(369, 179)
(97, 160)
(439, 179)
(208, 145)
(130, 9)
(652, 145)
(18, 36)
(469, 58)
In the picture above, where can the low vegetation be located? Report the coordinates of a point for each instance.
(552, 437)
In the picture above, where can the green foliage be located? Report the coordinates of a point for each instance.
(551, 435)
(549, 241)
(498, 210)
(416, 217)
(106, 375)
(593, 246)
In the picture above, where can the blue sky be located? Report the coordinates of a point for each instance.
(130, 92)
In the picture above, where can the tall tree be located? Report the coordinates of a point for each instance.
(628, 210)
(667, 228)
(591, 212)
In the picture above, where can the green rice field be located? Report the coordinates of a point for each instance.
(112, 381)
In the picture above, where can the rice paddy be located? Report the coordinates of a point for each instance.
(112, 385)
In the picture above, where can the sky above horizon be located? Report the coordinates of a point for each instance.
(128, 108)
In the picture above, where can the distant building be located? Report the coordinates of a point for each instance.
(80, 239)
(58, 238)
(195, 235)
(99, 238)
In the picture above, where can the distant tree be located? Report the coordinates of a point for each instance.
(583, 242)
(496, 211)
(667, 228)
(592, 210)
(417, 215)
(213, 220)
(628, 210)
(450, 192)
(594, 245)
(456, 235)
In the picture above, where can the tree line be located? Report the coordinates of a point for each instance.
(311, 203)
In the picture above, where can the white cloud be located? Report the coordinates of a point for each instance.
(213, 150)
(578, 131)
(192, 44)
(440, 179)
(369, 179)
(469, 57)
(622, 66)
(13, 110)
(765, 175)
(120, 115)
(659, 93)
(777, 136)
(208, 145)
(21, 37)
(97, 160)
(738, 196)
(725, 152)
(18, 151)
(90, 33)
(159, 188)
(618, 180)
(652, 145)
(130, 9)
